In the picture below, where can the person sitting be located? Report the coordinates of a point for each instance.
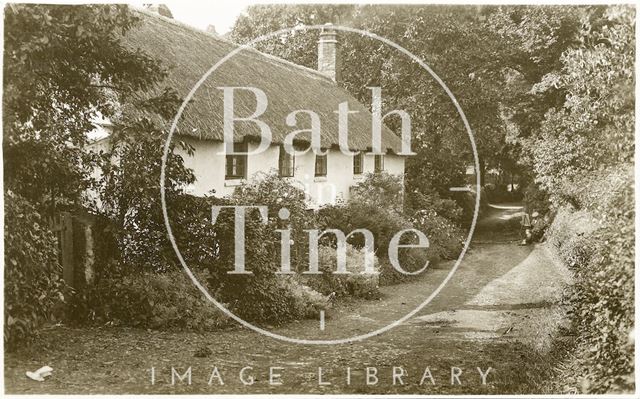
(525, 229)
(538, 227)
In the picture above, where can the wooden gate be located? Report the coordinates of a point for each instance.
(62, 226)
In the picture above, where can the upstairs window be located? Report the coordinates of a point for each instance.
(236, 165)
(286, 163)
(379, 164)
(321, 165)
(357, 164)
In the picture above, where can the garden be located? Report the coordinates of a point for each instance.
(124, 292)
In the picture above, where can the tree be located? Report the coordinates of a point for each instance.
(579, 145)
(64, 67)
(438, 35)
(571, 100)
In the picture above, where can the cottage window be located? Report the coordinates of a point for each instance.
(321, 165)
(379, 164)
(236, 165)
(357, 164)
(286, 163)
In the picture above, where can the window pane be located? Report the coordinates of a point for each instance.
(321, 165)
(286, 163)
(236, 165)
(379, 163)
(357, 164)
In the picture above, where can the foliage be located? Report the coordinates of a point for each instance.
(49, 105)
(379, 189)
(263, 295)
(376, 206)
(293, 46)
(129, 187)
(590, 124)
(33, 290)
(598, 245)
(49, 108)
(536, 199)
(435, 34)
(354, 284)
(446, 238)
(383, 224)
(130, 197)
(149, 300)
(574, 117)
(430, 174)
(603, 260)
(270, 190)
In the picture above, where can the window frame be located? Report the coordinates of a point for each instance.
(358, 163)
(323, 165)
(378, 163)
(241, 165)
(286, 159)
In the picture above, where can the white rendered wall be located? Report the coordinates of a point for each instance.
(209, 169)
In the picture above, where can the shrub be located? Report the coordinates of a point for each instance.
(138, 290)
(571, 233)
(263, 295)
(598, 245)
(275, 192)
(274, 300)
(445, 238)
(150, 300)
(355, 284)
(536, 199)
(379, 189)
(454, 210)
(383, 224)
(33, 290)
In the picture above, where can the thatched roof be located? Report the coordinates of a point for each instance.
(188, 53)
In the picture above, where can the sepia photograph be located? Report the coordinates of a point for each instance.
(319, 198)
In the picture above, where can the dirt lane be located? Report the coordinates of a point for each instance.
(499, 311)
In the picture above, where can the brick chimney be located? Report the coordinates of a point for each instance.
(328, 62)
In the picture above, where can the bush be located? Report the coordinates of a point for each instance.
(33, 291)
(355, 284)
(150, 300)
(598, 245)
(275, 192)
(149, 290)
(265, 296)
(383, 224)
(379, 189)
(445, 238)
(571, 233)
(374, 206)
(536, 199)
(445, 207)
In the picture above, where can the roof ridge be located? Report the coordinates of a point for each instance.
(271, 57)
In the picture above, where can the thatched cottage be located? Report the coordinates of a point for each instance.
(188, 53)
